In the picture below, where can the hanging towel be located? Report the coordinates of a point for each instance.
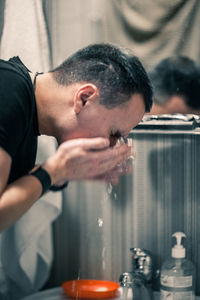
(25, 34)
(26, 249)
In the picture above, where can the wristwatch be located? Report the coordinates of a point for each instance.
(45, 180)
(43, 176)
(57, 188)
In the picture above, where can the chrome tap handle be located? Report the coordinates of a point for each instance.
(142, 262)
(126, 279)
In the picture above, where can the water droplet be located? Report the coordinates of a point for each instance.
(132, 157)
(79, 274)
(105, 198)
(100, 222)
(103, 265)
(115, 196)
(109, 188)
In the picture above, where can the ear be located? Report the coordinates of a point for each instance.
(85, 93)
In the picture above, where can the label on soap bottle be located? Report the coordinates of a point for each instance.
(169, 295)
(176, 288)
(176, 282)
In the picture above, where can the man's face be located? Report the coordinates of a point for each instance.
(95, 120)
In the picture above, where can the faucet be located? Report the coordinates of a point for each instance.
(135, 284)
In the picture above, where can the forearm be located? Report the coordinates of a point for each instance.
(73, 160)
(17, 198)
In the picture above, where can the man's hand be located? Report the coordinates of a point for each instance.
(85, 159)
(113, 176)
(75, 159)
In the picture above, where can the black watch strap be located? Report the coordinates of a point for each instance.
(44, 178)
(57, 188)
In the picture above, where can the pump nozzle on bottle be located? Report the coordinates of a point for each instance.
(178, 251)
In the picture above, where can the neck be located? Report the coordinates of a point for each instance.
(43, 92)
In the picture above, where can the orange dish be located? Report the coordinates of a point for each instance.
(91, 289)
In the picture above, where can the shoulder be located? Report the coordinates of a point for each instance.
(14, 71)
(15, 83)
(17, 105)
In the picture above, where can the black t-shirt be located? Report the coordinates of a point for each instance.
(18, 117)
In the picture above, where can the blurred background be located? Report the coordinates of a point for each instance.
(94, 225)
(152, 29)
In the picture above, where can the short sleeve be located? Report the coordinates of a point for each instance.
(14, 110)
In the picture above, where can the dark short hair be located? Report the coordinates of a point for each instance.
(176, 75)
(117, 74)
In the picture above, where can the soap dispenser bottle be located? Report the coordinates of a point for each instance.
(177, 276)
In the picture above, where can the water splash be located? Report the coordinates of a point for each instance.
(103, 258)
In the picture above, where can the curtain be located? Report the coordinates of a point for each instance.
(155, 29)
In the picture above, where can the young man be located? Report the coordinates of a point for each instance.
(96, 96)
(176, 83)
